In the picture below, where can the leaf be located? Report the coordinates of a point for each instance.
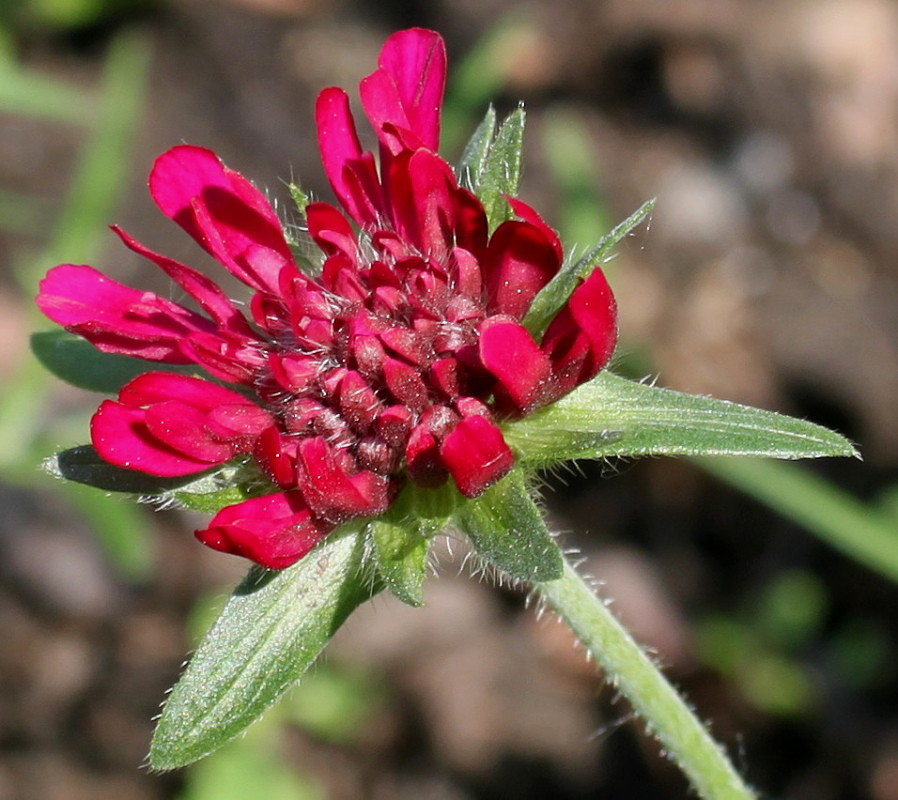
(401, 555)
(83, 464)
(474, 159)
(508, 530)
(78, 362)
(555, 294)
(269, 633)
(626, 418)
(402, 537)
(501, 170)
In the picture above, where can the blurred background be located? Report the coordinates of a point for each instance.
(768, 132)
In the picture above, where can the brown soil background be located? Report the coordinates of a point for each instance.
(769, 133)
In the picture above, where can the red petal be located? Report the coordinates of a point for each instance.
(405, 384)
(471, 226)
(581, 338)
(330, 491)
(422, 189)
(422, 459)
(183, 428)
(223, 212)
(160, 387)
(277, 458)
(351, 174)
(407, 89)
(231, 358)
(115, 318)
(330, 230)
(120, 436)
(275, 531)
(530, 214)
(476, 455)
(208, 294)
(519, 261)
(520, 367)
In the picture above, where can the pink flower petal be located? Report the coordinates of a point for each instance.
(184, 429)
(423, 462)
(208, 294)
(115, 318)
(529, 214)
(223, 212)
(520, 367)
(274, 531)
(422, 193)
(330, 230)
(519, 261)
(330, 491)
(351, 174)
(231, 358)
(476, 455)
(407, 89)
(276, 455)
(405, 384)
(581, 338)
(160, 387)
(471, 226)
(120, 436)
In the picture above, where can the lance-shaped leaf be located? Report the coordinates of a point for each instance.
(207, 491)
(507, 529)
(401, 555)
(556, 292)
(474, 158)
(269, 633)
(79, 363)
(82, 464)
(613, 416)
(403, 534)
(491, 164)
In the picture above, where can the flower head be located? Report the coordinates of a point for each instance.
(394, 364)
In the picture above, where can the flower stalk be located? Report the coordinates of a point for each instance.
(683, 736)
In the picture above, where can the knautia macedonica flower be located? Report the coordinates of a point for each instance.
(393, 363)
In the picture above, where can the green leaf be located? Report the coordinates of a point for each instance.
(78, 362)
(269, 633)
(401, 555)
(555, 294)
(612, 416)
(501, 169)
(402, 537)
(299, 196)
(508, 530)
(83, 465)
(474, 158)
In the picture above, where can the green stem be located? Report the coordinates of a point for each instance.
(681, 733)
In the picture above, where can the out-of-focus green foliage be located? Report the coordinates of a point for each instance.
(778, 652)
(65, 15)
(77, 231)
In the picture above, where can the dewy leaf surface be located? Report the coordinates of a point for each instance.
(271, 630)
(507, 529)
(78, 362)
(613, 416)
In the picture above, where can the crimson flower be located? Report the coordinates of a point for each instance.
(395, 363)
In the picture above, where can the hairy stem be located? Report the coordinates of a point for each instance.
(681, 733)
